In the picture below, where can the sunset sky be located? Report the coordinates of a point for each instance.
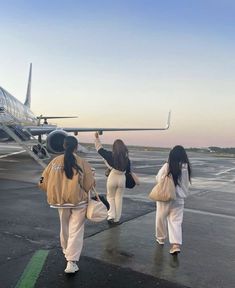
(126, 63)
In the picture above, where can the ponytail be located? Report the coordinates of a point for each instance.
(70, 162)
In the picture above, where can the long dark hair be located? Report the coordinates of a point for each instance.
(70, 162)
(120, 155)
(177, 158)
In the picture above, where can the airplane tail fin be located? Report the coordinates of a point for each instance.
(28, 94)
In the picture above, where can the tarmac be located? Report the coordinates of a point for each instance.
(126, 255)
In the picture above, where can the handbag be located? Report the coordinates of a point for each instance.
(96, 209)
(131, 180)
(164, 190)
(136, 178)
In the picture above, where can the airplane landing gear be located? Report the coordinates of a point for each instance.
(39, 151)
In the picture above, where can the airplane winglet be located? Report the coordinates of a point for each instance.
(28, 94)
(168, 120)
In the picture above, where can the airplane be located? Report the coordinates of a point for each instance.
(18, 123)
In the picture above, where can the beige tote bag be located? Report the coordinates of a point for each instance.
(96, 210)
(164, 190)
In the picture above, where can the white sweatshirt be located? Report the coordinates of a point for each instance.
(182, 190)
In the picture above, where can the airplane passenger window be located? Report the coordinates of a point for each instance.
(5, 94)
(1, 97)
(11, 102)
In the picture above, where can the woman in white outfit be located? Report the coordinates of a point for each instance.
(119, 162)
(170, 214)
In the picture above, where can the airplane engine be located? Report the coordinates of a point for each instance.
(55, 140)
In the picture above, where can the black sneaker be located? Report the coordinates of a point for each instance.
(116, 222)
(111, 221)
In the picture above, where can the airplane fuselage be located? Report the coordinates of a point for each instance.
(13, 112)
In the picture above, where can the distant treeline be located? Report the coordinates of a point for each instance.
(214, 149)
(132, 147)
(211, 149)
(222, 150)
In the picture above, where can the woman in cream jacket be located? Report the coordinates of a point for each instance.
(67, 180)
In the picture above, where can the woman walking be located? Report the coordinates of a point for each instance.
(170, 214)
(67, 180)
(119, 162)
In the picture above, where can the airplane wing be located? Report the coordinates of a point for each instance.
(46, 129)
(34, 130)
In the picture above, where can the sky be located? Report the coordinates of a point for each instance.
(126, 63)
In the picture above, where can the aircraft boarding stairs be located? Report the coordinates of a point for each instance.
(27, 141)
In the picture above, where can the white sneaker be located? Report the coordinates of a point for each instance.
(72, 267)
(174, 250)
(160, 241)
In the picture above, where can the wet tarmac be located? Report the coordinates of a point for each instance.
(126, 255)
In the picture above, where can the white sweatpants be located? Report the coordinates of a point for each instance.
(170, 214)
(72, 231)
(115, 189)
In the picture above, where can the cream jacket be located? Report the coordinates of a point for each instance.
(61, 190)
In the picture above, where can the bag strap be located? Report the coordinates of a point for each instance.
(93, 190)
(107, 164)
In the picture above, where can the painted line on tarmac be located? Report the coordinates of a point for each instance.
(225, 171)
(14, 153)
(209, 213)
(32, 270)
